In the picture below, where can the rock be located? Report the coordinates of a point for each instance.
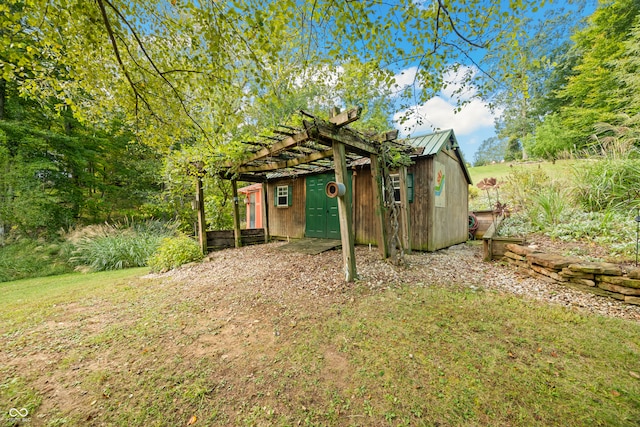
(597, 291)
(632, 300)
(619, 289)
(546, 272)
(514, 256)
(622, 281)
(552, 261)
(517, 264)
(566, 273)
(597, 268)
(585, 282)
(521, 250)
(541, 276)
(634, 273)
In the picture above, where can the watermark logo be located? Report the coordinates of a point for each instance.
(19, 414)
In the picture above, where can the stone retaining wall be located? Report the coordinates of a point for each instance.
(600, 278)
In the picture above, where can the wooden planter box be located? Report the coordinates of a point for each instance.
(494, 246)
(485, 220)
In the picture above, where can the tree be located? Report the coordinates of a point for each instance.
(195, 79)
(57, 172)
(591, 94)
(627, 72)
(491, 150)
(550, 139)
(151, 63)
(522, 89)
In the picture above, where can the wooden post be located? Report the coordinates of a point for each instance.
(236, 214)
(404, 210)
(344, 213)
(202, 225)
(378, 205)
(265, 212)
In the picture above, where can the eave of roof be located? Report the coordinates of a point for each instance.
(430, 145)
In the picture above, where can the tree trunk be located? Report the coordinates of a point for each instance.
(3, 97)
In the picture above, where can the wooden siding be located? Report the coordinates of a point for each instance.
(287, 222)
(364, 213)
(432, 227)
(421, 210)
(450, 224)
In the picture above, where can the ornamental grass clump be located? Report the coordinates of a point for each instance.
(610, 183)
(116, 246)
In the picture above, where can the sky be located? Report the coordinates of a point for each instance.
(475, 122)
(472, 125)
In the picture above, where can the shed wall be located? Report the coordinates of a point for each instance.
(364, 213)
(287, 221)
(449, 225)
(432, 227)
(421, 211)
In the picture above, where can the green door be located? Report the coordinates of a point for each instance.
(322, 211)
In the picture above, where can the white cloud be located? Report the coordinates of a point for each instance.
(405, 78)
(474, 118)
(439, 113)
(456, 88)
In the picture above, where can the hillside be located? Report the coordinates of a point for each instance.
(560, 170)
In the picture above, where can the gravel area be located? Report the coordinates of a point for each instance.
(295, 280)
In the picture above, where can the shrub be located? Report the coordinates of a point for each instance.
(517, 224)
(174, 252)
(549, 206)
(521, 184)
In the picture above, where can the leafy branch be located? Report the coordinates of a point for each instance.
(141, 45)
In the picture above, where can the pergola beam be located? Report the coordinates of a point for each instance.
(391, 135)
(318, 155)
(346, 117)
(329, 134)
(275, 148)
(300, 137)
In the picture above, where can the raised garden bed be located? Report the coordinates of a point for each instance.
(495, 246)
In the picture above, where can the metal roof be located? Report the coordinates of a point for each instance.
(432, 143)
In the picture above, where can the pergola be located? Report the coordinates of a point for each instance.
(319, 146)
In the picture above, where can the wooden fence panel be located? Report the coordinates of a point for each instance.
(222, 239)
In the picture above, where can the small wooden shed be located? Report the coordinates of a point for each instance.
(398, 195)
(436, 216)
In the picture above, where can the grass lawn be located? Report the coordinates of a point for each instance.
(561, 169)
(114, 349)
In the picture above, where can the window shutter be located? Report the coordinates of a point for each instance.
(275, 195)
(410, 187)
(290, 195)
